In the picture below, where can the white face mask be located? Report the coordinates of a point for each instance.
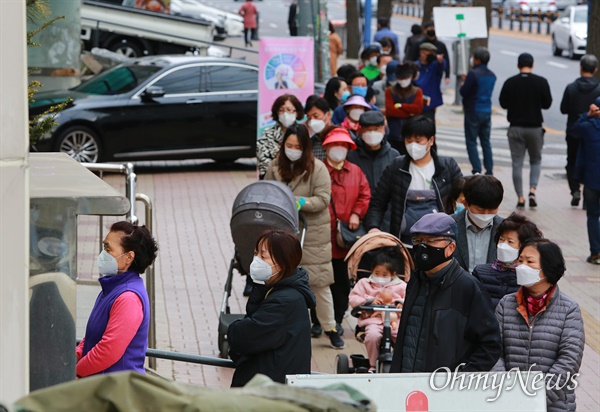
(416, 151)
(373, 61)
(107, 264)
(260, 271)
(287, 119)
(480, 220)
(293, 154)
(316, 125)
(380, 280)
(404, 82)
(355, 114)
(337, 154)
(507, 253)
(383, 68)
(471, 62)
(527, 276)
(372, 138)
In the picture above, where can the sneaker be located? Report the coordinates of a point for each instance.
(335, 340)
(532, 201)
(575, 199)
(316, 331)
(594, 259)
(340, 329)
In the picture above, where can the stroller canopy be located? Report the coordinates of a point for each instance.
(260, 206)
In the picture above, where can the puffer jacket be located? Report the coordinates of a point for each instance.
(350, 194)
(316, 253)
(553, 341)
(495, 283)
(393, 187)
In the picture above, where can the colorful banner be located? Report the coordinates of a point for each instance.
(285, 66)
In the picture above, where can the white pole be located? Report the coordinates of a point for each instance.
(14, 203)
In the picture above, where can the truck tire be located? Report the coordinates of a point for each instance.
(127, 48)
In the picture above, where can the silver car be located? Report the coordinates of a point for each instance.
(569, 32)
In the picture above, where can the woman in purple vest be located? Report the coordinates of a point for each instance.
(116, 336)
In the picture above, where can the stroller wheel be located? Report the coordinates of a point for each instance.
(384, 367)
(341, 364)
(223, 347)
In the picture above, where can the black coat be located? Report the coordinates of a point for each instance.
(274, 337)
(463, 326)
(372, 166)
(462, 244)
(496, 283)
(577, 98)
(393, 187)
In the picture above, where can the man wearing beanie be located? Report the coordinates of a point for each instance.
(446, 320)
(524, 96)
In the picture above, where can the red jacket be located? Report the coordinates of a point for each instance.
(351, 193)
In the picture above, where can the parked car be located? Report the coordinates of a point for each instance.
(569, 32)
(563, 4)
(157, 107)
(529, 6)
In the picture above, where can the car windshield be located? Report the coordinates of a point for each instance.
(120, 79)
(581, 16)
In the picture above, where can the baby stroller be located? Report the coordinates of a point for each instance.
(360, 258)
(258, 207)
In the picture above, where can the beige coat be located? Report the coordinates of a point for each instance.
(316, 253)
(336, 48)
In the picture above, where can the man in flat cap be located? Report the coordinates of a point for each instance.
(431, 70)
(446, 320)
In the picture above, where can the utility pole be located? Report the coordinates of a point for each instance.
(353, 37)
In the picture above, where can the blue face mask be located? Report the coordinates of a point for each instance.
(345, 96)
(360, 90)
(459, 208)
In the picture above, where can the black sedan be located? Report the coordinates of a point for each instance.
(158, 107)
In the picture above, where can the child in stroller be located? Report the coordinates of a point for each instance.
(382, 287)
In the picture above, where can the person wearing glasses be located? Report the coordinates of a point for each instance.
(415, 184)
(446, 320)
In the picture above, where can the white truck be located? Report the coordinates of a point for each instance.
(134, 32)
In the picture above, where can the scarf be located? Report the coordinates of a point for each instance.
(504, 267)
(535, 305)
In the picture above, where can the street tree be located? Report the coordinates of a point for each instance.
(353, 32)
(428, 6)
(593, 38)
(488, 14)
(384, 9)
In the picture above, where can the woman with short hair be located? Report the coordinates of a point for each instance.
(541, 328)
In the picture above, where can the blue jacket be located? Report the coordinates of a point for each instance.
(430, 76)
(477, 90)
(587, 165)
(339, 114)
(387, 32)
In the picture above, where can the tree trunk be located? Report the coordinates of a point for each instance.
(593, 39)
(353, 32)
(428, 6)
(488, 13)
(384, 9)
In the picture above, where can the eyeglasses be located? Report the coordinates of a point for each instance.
(430, 242)
(286, 110)
(416, 139)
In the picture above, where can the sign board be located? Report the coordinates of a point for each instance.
(286, 65)
(426, 392)
(457, 22)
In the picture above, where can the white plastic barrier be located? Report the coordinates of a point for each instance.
(486, 391)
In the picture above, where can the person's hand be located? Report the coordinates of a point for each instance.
(462, 76)
(447, 79)
(594, 111)
(354, 221)
(440, 58)
(399, 306)
(377, 301)
(374, 230)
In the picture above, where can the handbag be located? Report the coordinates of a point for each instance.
(345, 237)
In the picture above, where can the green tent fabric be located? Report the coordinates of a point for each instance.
(130, 391)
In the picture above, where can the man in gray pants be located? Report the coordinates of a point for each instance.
(524, 96)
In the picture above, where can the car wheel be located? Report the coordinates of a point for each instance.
(571, 49)
(341, 364)
(127, 48)
(555, 50)
(81, 143)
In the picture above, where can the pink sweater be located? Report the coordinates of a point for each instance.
(367, 290)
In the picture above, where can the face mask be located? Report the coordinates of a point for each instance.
(107, 264)
(471, 62)
(373, 61)
(416, 151)
(386, 52)
(380, 280)
(480, 220)
(287, 119)
(383, 68)
(337, 154)
(372, 138)
(293, 154)
(430, 33)
(345, 96)
(316, 125)
(360, 90)
(459, 208)
(355, 114)
(427, 257)
(430, 58)
(507, 253)
(260, 271)
(527, 276)
(404, 83)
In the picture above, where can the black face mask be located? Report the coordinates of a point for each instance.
(430, 33)
(427, 257)
(430, 58)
